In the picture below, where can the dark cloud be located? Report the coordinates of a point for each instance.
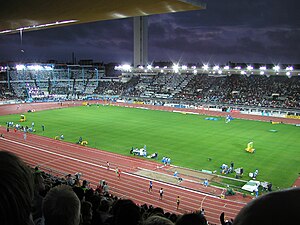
(236, 30)
(253, 13)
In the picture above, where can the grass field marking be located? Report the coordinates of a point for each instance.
(168, 175)
(186, 189)
(185, 112)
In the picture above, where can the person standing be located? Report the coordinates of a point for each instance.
(43, 127)
(177, 202)
(161, 192)
(256, 191)
(232, 165)
(176, 174)
(118, 172)
(150, 186)
(202, 212)
(107, 165)
(205, 183)
(105, 188)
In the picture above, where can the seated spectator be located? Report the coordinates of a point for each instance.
(86, 212)
(89, 194)
(17, 190)
(125, 212)
(99, 188)
(274, 208)
(157, 220)
(223, 221)
(192, 219)
(39, 192)
(70, 181)
(79, 192)
(77, 182)
(61, 206)
(173, 217)
(85, 185)
(105, 188)
(102, 215)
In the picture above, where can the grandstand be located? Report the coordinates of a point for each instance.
(250, 88)
(40, 81)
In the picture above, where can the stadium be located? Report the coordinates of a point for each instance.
(164, 139)
(130, 111)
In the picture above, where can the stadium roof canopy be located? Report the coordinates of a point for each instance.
(36, 14)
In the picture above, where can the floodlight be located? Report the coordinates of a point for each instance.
(249, 67)
(226, 67)
(220, 72)
(161, 70)
(289, 68)
(184, 67)
(193, 67)
(35, 67)
(20, 67)
(118, 67)
(205, 67)
(126, 67)
(276, 68)
(176, 68)
(237, 67)
(243, 72)
(195, 72)
(149, 67)
(216, 67)
(141, 67)
(48, 68)
(157, 67)
(263, 68)
(262, 73)
(288, 73)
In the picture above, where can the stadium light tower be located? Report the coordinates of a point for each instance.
(140, 31)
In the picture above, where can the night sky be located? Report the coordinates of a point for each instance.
(264, 31)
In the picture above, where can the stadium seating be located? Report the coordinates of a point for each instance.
(234, 90)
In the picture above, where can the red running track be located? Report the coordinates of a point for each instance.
(72, 158)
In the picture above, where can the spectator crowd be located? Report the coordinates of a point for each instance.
(243, 90)
(33, 197)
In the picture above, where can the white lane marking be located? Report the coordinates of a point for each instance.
(129, 174)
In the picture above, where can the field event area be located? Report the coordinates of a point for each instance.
(198, 142)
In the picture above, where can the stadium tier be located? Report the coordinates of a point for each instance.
(250, 87)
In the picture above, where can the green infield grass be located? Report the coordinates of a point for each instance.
(189, 140)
